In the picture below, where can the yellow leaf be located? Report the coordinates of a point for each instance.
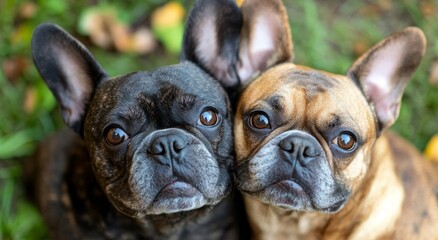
(431, 151)
(30, 100)
(168, 15)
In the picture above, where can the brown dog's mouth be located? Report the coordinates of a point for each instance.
(289, 194)
(290, 186)
(285, 194)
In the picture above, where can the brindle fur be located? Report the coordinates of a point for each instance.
(87, 188)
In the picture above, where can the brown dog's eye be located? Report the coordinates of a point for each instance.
(260, 120)
(346, 141)
(209, 118)
(116, 136)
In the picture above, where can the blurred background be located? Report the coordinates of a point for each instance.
(133, 35)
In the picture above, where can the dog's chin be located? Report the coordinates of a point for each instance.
(286, 194)
(289, 195)
(177, 197)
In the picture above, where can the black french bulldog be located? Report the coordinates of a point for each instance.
(151, 152)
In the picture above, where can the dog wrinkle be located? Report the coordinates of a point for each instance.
(314, 82)
(167, 95)
(147, 103)
(186, 101)
(355, 171)
(276, 102)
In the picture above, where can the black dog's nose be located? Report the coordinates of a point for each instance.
(302, 148)
(170, 145)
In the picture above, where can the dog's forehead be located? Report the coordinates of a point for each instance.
(183, 79)
(289, 80)
(167, 90)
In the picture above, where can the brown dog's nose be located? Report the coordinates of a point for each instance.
(167, 145)
(301, 148)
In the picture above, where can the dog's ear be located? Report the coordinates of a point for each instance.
(211, 38)
(69, 70)
(265, 39)
(233, 43)
(384, 70)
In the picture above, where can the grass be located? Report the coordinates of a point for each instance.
(328, 35)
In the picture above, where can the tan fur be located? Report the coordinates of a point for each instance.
(383, 189)
(392, 197)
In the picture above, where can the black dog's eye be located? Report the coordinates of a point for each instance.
(260, 120)
(209, 118)
(115, 136)
(345, 140)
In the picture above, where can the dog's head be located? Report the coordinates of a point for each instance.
(161, 141)
(303, 137)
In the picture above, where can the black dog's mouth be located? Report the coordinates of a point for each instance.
(177, 196)
(177, 188)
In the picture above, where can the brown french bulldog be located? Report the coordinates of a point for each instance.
(315, 159)
(151, 153)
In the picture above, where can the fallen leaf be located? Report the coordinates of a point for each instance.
(384, 5)
(168, 15)
(30, 97)
(94, 22)
(27, 10)
(429, 9)
(431, 151)
(376, 8)
(433, 77)
(107, 30)
(14, 67)
(360, 47)
(143, 41)
(139, 41)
